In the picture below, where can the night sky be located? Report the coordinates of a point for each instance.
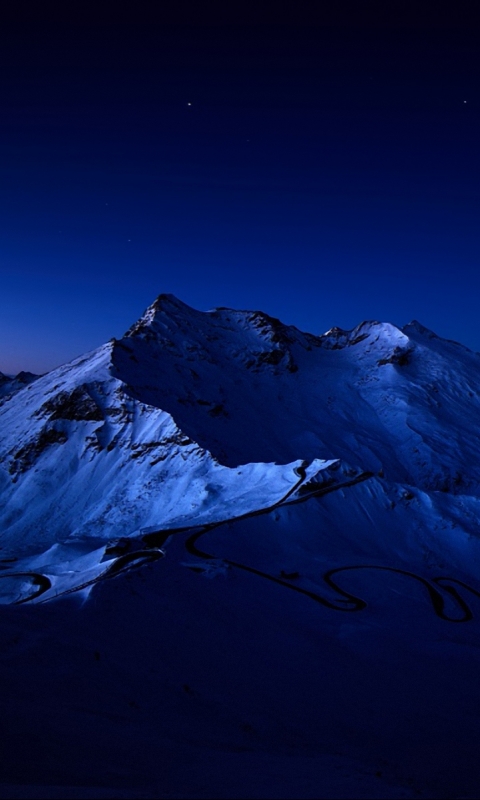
(323, 170)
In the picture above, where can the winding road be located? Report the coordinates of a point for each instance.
(438, 601)
(158, 537)
(43, 583)
(128, 561)
(349, 602)
(344, 600)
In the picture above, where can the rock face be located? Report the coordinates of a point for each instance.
(306, 478)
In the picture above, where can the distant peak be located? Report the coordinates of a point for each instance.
(10, 384)
(26, 377)
(364, 327)
(337, 338)
(417, 326)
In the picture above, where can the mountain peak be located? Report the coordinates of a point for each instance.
(417, 326)
(427, 333)
(164, 308)
(337, 338)
(10, 384)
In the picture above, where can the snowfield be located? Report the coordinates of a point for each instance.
(239, 560)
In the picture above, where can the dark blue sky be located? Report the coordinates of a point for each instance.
(326, 173)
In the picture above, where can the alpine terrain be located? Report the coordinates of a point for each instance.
(238, 560)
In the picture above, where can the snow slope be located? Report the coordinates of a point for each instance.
(81, 457)
(242, 560)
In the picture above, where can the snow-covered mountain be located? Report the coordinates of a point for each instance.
(307, 478)
(183, 384)
(9, 384)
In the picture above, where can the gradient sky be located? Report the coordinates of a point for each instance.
(324, 173)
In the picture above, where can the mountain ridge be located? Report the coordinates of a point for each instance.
(243, 388)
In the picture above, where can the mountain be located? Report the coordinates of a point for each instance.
(242, 560)
(9, 384)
